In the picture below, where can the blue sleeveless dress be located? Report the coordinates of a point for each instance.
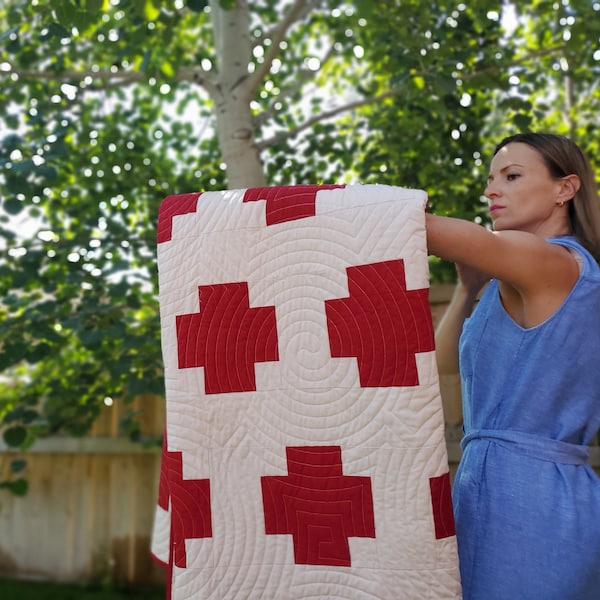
(526, 503)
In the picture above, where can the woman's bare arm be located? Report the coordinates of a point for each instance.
(448, 331)
(522, 260)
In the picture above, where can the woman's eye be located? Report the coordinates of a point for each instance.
(512, 176)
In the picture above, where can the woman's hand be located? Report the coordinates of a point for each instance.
(449, 328)
(471, 279)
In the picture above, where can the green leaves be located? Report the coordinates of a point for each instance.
(197, 5)
(12, 206)
(151, 11)
(18, 487)
(15, 436)
(17, 465)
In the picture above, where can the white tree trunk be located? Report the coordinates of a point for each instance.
(232, 95)
(236, 140)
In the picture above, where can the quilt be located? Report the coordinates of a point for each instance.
(304, 452)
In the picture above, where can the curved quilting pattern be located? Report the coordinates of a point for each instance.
(381, 323)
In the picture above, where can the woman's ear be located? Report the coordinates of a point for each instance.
(569, 186)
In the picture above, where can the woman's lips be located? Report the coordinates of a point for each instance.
(495, 207)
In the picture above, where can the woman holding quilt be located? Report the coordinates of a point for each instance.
(526, 501)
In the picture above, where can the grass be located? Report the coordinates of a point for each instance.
(29, 590)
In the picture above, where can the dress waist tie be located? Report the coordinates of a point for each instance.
(532, 445)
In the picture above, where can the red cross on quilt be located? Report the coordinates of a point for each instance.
(304, 451)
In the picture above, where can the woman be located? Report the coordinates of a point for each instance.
(527, 504)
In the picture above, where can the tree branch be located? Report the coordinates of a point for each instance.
(304, 75)
(270, 33)
(200, 77)
(297, 12)
(114, 79)
(118, 77)
(291, 133)
(516, 62)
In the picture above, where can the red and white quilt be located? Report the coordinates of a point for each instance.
(304, 454)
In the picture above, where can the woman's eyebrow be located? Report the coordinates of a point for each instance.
(490, 177)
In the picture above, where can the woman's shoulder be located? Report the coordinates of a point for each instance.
(577, 249)
(587, 261)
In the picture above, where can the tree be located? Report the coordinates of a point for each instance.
(553, 79)
(108, 106)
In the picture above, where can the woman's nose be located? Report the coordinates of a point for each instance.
(491, 190)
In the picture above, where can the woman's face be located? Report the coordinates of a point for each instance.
(521, 192)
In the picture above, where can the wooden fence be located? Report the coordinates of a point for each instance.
(88, 513)
(89, 510)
